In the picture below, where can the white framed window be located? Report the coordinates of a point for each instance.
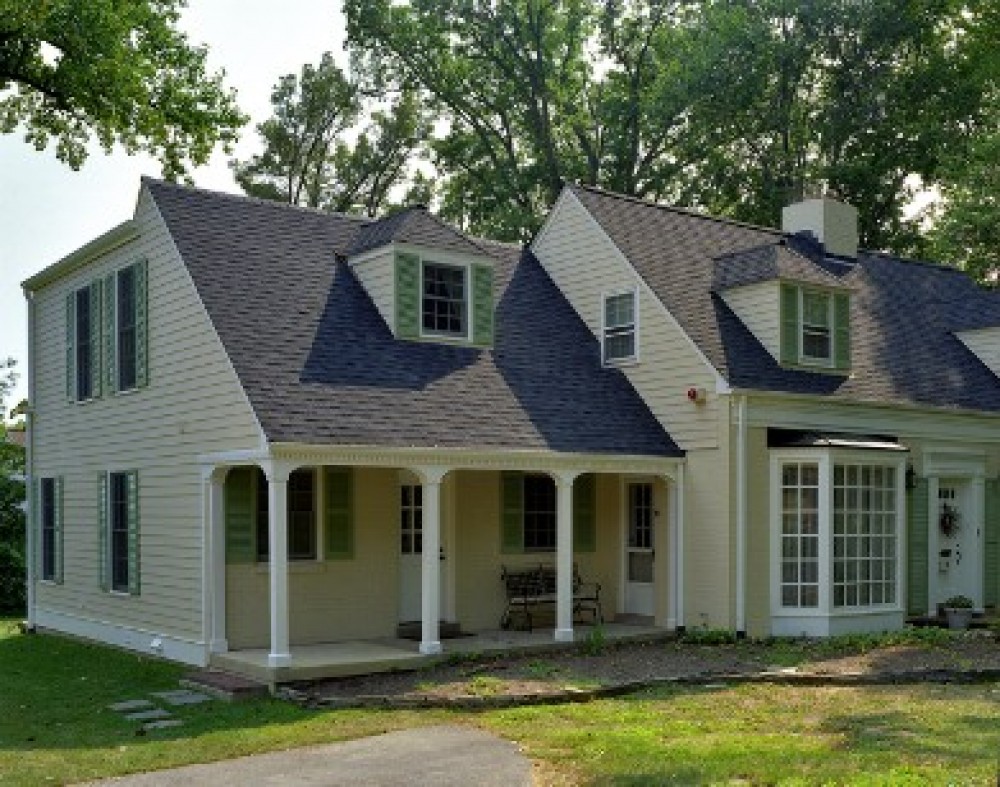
(444, 300)
(302, 506)
(816, 327)
(619, 327)
(837, 516)
(411, 519)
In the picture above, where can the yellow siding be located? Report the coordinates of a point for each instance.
(377, 276)
(585, 264)
(757, 306)
(193, 405)
(335, 599)
(758, 534)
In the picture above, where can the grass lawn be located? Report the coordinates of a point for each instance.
(55, 727)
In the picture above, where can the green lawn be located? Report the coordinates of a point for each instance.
(55, 728)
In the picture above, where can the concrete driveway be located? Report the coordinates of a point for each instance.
(440, 756)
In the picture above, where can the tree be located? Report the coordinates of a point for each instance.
(12, 495)
(307, 159)
(115, 70)
(735, 106)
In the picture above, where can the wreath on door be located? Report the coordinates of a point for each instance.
(948, 521)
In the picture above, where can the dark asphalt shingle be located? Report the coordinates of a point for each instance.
(904, 314)
(320, 366)
(414, 225)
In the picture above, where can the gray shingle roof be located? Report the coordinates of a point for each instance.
(414, 225)
(903, 314)
(320, 366)
(768, 263)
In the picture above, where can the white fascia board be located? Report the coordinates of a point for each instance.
(117, 236)
(721, 384)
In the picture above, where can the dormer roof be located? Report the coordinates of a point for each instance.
(770, 262)
(416, 226)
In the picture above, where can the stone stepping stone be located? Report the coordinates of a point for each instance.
(161, 724)
(148, 715)
(131, 705)
(182, 697)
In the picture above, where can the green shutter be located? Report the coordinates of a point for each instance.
(789, 324)
(338, 513)
(842, 331)
(36, 526)
(95, 338)
(57, 491)
(71, 346)
(103, 547)
(141, 325)
(917, 518)
(239, 503)
(482, 305)
(109, 336)
(991, 543)
(585, 513)
(132, 481)
(511, 512)
(407, 296)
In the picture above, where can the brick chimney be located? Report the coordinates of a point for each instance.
(831, 222)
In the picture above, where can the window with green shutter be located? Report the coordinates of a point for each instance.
(815, 328)
(48, 494)
(528, 513)
(407, 296)
(83, 343)
(118, 515)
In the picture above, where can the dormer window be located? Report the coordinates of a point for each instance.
(815, 327)
(444, 302)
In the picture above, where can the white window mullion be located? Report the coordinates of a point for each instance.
(825, 534)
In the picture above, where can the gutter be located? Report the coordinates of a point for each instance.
(741, 515)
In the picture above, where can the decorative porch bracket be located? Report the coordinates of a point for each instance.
(430, 585)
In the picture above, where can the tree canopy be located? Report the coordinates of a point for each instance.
(117, 71)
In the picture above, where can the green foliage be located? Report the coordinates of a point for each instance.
(708, 637)
(959, 602)
(306, 158)
(596, 641)
(120, 72)
(12, 495)
(735, 107)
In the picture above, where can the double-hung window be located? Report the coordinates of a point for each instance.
(126, 327)
(302, 505)
(619, 331)
(119, 526)
(817, 327)
(444, 302)
(119, 515)
(539, 513)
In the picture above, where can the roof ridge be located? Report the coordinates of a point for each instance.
(676, 209)
(148, 179)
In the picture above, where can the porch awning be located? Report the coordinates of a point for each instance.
(797, 438)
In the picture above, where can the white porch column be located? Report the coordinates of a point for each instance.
(214, 559)
(277, 513)
(564, 555)
(430, 575)
(677, 509)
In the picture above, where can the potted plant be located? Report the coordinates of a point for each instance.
(948, 521)
(958, 611)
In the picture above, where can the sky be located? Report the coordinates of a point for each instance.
(47, 210)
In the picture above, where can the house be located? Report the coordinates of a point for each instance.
(315, 427)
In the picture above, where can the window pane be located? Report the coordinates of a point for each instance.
(118, 511)
(84, 345)
(539, 513)
(126, 322)
(48, 528)
(444, 299)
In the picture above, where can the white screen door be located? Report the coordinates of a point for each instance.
(639, 550)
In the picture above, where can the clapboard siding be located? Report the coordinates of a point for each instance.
(585, 264)
(192, 406)
(985, 344)
(757, 306)
(377, 275)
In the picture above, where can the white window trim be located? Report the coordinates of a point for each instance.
(466, 267)
(825, 458)
(809, 360)
(319, 496)
(634, 357)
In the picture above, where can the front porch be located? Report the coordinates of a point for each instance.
(316, 557)
(364, 657)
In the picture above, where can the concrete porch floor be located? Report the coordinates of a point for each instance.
(344, 659)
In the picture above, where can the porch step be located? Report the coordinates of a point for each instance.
(223, 685)
(411, 629)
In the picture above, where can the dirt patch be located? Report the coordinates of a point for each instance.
(556, 672)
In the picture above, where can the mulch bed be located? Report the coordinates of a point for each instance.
(576, 675)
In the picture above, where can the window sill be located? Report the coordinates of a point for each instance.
(616, 363)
